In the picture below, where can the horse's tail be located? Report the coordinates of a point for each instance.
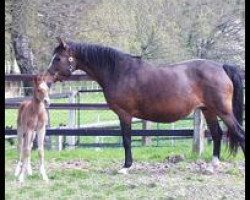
(234, 75)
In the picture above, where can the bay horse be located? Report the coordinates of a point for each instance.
(166, 93)
(32, 119)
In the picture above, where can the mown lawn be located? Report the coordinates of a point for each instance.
(91, 173)
(88, 173)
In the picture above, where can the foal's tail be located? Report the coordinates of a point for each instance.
(234, 75)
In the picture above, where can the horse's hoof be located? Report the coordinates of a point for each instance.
(209, 170)
(123, 171)
(215, 162)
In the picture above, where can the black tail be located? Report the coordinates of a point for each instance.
(234, 75)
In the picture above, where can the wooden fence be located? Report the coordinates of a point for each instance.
(198, 133)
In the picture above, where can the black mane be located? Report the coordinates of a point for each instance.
(99, 56)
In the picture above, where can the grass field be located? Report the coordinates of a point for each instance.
(89, 174)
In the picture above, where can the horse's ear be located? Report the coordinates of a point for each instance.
(61, 42)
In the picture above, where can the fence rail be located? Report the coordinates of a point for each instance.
(72, 131)
(104, 132)
(68, 106)
(29, 77)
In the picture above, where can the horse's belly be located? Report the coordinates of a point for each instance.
(162, 116)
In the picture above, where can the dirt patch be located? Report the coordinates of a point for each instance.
(177, 164)
(73, 164)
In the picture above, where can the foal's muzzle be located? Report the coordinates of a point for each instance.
(47, 102)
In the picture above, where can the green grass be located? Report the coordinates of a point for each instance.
(99, 179)
(148, 153)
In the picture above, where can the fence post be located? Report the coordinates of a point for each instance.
(59, 143)
(71, 140)
(199, 132)
(146, 140)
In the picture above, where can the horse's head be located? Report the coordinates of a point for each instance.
(41, 89)
(63, 62)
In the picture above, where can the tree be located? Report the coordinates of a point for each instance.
(20, 11)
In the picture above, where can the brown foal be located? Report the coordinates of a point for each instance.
(32, 119)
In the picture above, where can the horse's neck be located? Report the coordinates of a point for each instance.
(102, 77)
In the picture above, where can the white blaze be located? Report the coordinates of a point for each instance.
(44, 86)
(51, 61)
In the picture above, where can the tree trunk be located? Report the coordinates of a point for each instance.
(20, 41)
(24, 58)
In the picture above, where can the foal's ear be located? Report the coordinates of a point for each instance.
(61, 42)
(34, 80)
(37, 79)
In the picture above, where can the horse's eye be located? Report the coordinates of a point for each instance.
(56, 59)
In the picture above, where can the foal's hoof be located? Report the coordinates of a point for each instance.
(29, 172)
(123, 171)
(21, 178)
(46, 179)
(17, 170)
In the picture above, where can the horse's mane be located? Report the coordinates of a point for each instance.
(99, 56)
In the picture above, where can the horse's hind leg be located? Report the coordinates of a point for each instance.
(235, 132)
(216, 133)
(40, 143)
(19, 151)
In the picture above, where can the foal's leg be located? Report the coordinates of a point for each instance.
(29, 167)
(40, 144)
(126, 135)
(19, 151)
(26, 151)
(216, 133)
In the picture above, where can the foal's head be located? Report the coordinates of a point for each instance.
(41, 90)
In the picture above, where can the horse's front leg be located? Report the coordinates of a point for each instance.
(40, 143)
(126, 136)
